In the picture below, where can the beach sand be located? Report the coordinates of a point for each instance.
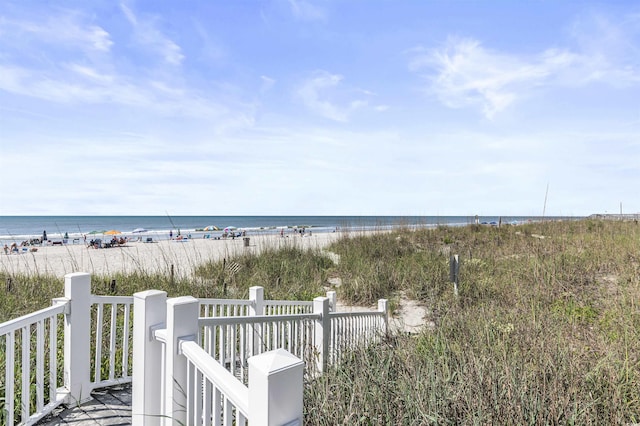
(155, 257)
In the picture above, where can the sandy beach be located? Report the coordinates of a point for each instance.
(152, 257)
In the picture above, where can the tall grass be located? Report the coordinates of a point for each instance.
(545, 330)
(285, 273)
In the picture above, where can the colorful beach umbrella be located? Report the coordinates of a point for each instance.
(112, 232)
(211, 228)
(96, 232)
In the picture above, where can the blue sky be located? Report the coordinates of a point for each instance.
(319, 107)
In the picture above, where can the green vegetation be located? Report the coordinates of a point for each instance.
(545, 330)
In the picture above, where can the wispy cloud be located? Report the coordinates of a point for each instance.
(68, 28)
(468, 74)
(148, 35)
(324, 94)
(65, 58)
(464, 73)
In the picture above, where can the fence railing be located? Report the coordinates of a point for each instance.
(205, 364)
(22, 339)
(177, 382)
(60, 354)
(257, 305)
(57, 342)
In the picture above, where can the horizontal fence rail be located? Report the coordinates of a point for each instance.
(224, 307)
(286, 307)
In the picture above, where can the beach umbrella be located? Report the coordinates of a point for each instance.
(138, 230)
(112, 232)
(230, 228)
(211, 228)
(96, 232)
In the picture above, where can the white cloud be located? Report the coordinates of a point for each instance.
(67, 29)
(467, 74)
(42, 85)
(86, 85)
(464, 73)
(148, 35)
(90, 73)
(311, 91)
(324, 94)
(609, 50)
(211, 49)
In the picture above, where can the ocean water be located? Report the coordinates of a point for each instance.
(24, 228)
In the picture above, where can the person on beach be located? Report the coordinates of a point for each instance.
(171, 234)
(44, 236)
(6, 249)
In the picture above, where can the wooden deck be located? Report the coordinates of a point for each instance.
(109, 406)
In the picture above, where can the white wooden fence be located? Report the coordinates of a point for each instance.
(59, 338)
(228, 339)
(196, 370)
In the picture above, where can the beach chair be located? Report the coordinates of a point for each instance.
(149, 240)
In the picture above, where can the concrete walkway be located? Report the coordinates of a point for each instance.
(109, 406)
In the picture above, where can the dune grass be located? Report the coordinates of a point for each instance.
(545, 330)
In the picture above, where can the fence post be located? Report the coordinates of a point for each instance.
(182, 324)
(323, 332)
(275, 389)
(383, 307)
(149, 313)
(77, 337)
(332, 301)
(256, 296)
